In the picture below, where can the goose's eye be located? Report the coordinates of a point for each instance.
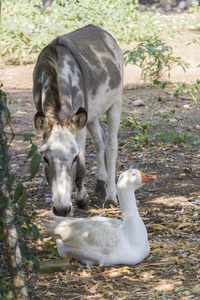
(46, 160)
(75, 160)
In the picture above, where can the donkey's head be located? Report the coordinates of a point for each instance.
(60, 151)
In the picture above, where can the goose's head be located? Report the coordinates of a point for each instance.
(133, 179)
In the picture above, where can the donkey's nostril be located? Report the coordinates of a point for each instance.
(63, 212)
(55, 211)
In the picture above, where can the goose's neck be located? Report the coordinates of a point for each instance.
(132, 222)
(128, 205)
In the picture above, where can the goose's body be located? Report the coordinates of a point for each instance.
(106, 241)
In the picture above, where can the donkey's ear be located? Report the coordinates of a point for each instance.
(41, 122)
(77, 121)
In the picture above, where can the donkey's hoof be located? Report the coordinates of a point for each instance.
(108, 203)
(83, 204)
(100, 188)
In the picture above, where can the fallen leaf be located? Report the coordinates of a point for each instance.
(176, 259)
(92, 288)
(196, 289)
(49, 294)
(195, 215)
(183, 225)
(66, 257)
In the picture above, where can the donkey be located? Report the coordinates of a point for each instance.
(77, 78)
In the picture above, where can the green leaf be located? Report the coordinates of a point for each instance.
(36, 232)
(157, 82)
(22, 201)
(34, 166)
(18, 191)
(36, 264)
(27, 138)
(32, 151)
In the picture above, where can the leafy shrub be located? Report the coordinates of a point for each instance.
(26, 30)
(154, 58)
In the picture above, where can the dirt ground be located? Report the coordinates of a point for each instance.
(169, 206)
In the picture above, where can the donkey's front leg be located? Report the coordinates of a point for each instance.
(113, 120)
(98, 136)
(82, 198)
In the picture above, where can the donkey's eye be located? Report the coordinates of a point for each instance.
(75, 159)
(46, 160)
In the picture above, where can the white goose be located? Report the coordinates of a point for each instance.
(106, 241)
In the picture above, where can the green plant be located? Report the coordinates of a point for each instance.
(195, 7)
(181, 87)
(127, 122)
(193, 90)
(36, 158)
(154, 58)
(176, 137)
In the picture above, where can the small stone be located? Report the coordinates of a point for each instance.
(154, 6)
(187, 106)
(198, 127)
(168, 3)
(167, 8)
(181, 176)
(182, 5)
(178, 10)
(173, 120)
(159, 10)
(141, 8)
(138, 102)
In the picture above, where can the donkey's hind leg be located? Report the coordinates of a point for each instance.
(97, 132)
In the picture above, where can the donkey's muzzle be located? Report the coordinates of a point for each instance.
(62, 212)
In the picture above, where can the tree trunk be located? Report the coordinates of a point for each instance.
(14, 255)
(16, 268)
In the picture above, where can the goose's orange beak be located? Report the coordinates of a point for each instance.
(147, 177)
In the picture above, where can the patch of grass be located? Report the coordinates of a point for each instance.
(138, 140)
(159, 126)
(166, 137)
(176, 137)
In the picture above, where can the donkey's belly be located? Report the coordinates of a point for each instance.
(102, 101)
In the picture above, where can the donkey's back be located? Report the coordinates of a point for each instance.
(89, 66)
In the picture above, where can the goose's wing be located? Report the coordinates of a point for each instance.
(88, 240)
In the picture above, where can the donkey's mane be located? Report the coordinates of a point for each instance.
(52, 110)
